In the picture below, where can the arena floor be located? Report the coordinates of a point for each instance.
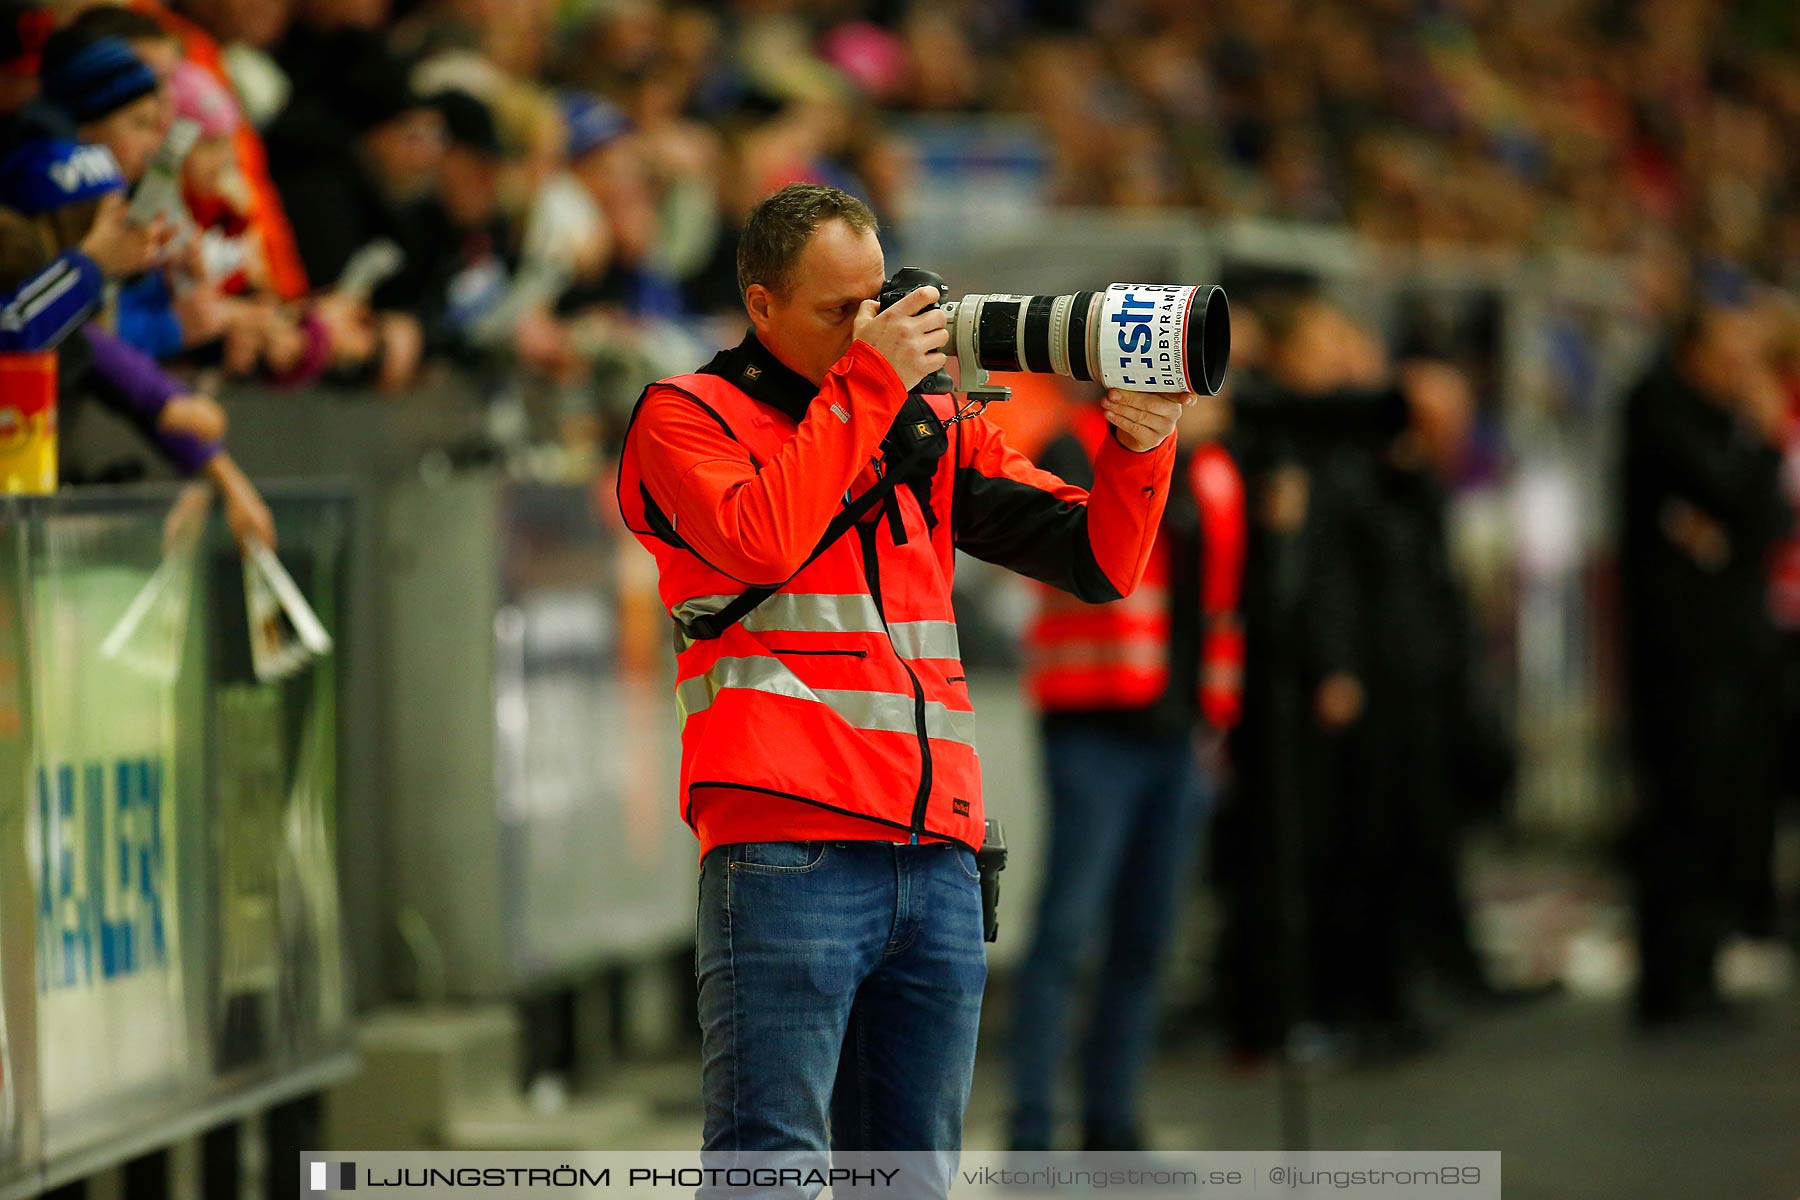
(1582, 1107)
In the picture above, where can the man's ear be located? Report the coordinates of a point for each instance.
(757, 299)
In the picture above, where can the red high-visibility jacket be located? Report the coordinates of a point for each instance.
(839, 709)
(1081, 657)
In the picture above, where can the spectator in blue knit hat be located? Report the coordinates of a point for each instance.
(108, 94)
(115, 100)
(55, 190)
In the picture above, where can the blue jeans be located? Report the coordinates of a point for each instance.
(840, 988)
(1125, 820)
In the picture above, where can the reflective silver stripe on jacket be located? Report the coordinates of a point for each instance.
(925, 639)
(881, 712)
(824, 612)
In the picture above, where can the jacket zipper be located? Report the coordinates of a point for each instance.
(869, 533)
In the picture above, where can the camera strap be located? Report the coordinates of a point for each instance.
(911, 449)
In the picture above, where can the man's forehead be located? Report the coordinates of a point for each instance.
(842, 261)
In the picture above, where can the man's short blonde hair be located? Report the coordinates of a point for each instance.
(779, 227)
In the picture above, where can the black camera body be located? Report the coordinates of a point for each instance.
(898, 286)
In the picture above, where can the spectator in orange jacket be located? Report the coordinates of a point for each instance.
(201, 30)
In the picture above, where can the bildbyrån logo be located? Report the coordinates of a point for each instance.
(330, 1176)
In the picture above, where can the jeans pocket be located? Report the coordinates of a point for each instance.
(966, 860)
(778, 858)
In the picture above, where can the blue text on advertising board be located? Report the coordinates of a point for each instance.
(101, 872)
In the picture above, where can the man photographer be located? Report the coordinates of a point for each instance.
(828, 758)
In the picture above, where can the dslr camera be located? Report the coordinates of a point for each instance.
(1144, 337)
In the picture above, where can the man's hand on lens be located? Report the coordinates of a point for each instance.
(911, 339)
(1144, 419)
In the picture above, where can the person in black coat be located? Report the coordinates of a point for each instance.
(354, 163)
(352, 160)
(1701, 509)
(1256, 865)
(1394, 707)
(1324, 390)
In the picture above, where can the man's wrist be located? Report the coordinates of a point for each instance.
(864, 359)
(1127, 446)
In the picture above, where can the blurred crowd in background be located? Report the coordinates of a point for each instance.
(564, 179)
(382, 190)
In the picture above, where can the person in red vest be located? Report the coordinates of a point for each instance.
(828, 759)
(1124, 689)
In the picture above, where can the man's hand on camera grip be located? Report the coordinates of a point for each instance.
(911, 339)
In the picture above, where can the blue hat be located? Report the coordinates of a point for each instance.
(1722, 283)
(592, 122)
(46, 175)
(94, 80)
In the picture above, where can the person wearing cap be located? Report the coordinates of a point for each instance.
(113, 100)
(44, 308)
(460, 254)
(561, 223)
(600, 157)
(53, 189)
(295, 346)
(353, 168)
(629, 314)
(607, 160)
(593, 123)
(567, 208)
(352, 164)
(462, 277)
(469, 172)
